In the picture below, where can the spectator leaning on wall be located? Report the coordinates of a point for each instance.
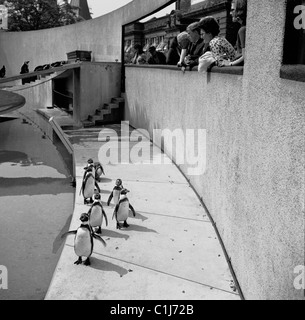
(196, 47)
(139, 55)
(220, 48)
(239, 14)
(183, 41)
(156, 56)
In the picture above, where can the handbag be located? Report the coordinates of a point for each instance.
(205, 61)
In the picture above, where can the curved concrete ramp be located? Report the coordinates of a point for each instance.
(169, 252)
(10, 101)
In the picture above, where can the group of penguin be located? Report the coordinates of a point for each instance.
(91, 221)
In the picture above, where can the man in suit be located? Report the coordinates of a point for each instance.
(196, 47)
(156, 56)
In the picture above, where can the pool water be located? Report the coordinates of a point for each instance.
(36, 206)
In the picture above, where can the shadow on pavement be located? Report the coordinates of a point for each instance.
(113, 234)
(133, 227)
(107, 266)
(58, 240)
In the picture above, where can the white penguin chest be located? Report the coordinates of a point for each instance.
(116, 196)
(83, 243)
(99, 172)
(123, 211)
(89, 187)
(96, 216)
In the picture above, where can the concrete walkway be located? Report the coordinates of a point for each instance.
(170, 251)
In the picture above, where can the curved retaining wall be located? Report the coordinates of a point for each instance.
(102, 36)
(253, 185)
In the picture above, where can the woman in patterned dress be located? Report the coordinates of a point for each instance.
(220, 47)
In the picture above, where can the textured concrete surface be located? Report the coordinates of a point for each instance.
(254, 184)
(10, 101)
(170, 251)
(102, 36)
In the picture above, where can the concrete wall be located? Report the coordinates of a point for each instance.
(102, 36)
(253, 185)
(99, 82)
(93, 84)
(37, 94)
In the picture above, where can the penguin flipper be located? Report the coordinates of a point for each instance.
(110, 198)
(132, 209)
(115, 211)
(82, 187)
(106, 219)
(98, 187)
(97, 237)
(83, 184)
(68, 233)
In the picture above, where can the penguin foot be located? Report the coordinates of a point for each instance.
(99, 230)
(87, 262)
(126, 225)
(91, 201)
(118, 226)
(85, 201)
(79, 261)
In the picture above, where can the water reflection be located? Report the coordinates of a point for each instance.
(36, 201)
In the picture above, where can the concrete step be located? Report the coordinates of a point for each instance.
(117, 100)
(102, 112)
(108, 106)
(94, 118)
(114, 117)
(112, 112)
(88, 124)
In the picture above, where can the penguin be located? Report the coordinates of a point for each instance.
(88, 185)
(96, 214)
(25, 67)
(83, 241)
(121, 211)
(89, 163)
(99, 170)
(46, 66)
(2, 72)
(56, 64)
(38, 68)
(115, 194)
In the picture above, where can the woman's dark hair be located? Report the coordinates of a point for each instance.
(241, 10)
(209, 25)
(138, 47)
(193, 27)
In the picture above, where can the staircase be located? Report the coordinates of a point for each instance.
(109, 113)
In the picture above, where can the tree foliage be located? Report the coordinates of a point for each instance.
(26, 15)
